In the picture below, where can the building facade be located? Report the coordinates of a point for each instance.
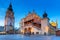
(53, 27)
(34, 24)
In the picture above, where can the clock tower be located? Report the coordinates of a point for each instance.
(9, 20)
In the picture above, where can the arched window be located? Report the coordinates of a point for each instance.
(25, 29)
(29, 29)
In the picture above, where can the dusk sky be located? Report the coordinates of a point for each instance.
(22, 7)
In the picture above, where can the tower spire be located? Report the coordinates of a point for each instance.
(45, 14)
(10, 7)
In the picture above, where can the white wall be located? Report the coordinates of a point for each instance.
(44, 25)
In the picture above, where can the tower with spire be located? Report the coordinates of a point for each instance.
(9, 20)
(45, 24)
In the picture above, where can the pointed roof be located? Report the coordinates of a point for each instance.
(33, 12)
(45, 14)
(10, 7)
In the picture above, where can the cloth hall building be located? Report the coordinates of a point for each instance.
(34, 24)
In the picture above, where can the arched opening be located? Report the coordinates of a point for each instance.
(32, 33)
(44, 33)
(37, 32)
(29, 30)
(25, 30)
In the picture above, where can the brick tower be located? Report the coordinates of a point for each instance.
(9, 20)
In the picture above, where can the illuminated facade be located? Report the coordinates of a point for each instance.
(9, 20)
(34, 24)
(53, 28)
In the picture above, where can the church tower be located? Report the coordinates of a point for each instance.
(45, 24)
(9, 20)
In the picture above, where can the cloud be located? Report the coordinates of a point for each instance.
(1, 22)
(2, 16)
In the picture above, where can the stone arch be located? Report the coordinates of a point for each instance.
(25, 30)
(29, 30)
(44, 33)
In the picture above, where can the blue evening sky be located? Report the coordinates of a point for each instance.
(22, 7)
